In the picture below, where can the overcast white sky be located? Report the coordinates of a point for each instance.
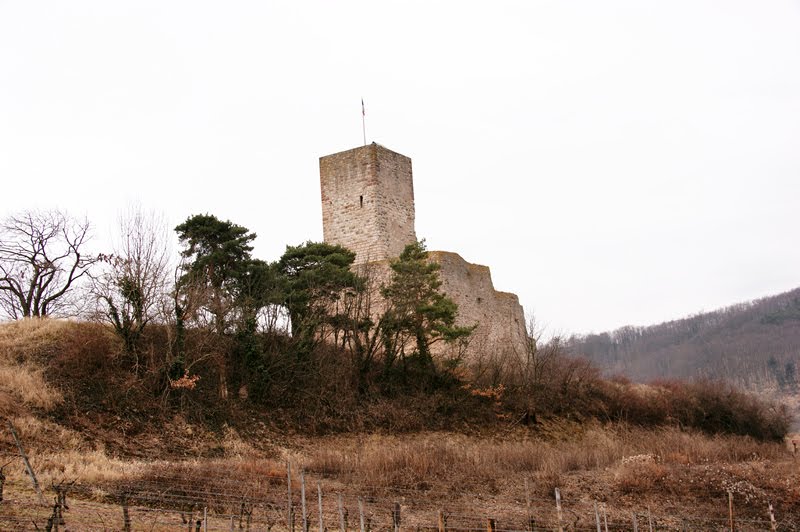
(615, 162)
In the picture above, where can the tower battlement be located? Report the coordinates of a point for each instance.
(368, 201)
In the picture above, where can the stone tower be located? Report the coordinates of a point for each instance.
(368, 201)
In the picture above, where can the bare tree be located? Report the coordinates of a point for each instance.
(133, 283)
(42, 256)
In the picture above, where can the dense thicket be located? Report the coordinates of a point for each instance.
(311, 343)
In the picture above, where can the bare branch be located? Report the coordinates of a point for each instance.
(42, 258)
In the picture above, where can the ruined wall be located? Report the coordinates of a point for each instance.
(368, 207)
(368, 201)
(499, 316)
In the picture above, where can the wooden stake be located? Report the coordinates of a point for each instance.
(490, 525)
(528, 504)
(290, 513)
(635, 522)
(649, 519)
(773, 525)
(205, 519)
(303, 499)
(319, 502)
(558, 509)
(126, 518)
(730, 507)
(361, 514)
(232, 523)
(597, 518)
(605, 519)
(442, 522)
(342, 522)
(27, 462)
(396, 517)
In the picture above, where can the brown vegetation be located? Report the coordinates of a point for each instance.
(112, 428)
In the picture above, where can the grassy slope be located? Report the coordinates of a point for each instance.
(82, 416)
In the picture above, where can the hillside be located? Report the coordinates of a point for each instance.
(753, 345)
(493, 444)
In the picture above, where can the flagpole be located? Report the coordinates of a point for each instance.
(363, 122)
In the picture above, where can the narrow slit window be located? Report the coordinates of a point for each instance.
(361, 200)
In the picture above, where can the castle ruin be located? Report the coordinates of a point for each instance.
(368, 207)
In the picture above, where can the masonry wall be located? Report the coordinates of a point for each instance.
(499, 316)
(368, 207)
(368, 201)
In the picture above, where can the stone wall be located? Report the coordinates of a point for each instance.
(368, 201)
(499, 316)
(368, 207)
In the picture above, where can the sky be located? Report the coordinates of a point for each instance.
(614, 163)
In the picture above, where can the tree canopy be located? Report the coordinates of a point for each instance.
(418, 313)
(216, 258)
(315, 275)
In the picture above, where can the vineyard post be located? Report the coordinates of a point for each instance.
(442, 521)
(361, 514)
(303, 499)
(290, 513)
(396, 517)
(635, 522)
(558, 509)
(730, 507)
(342, 523)
(605, 519)
(528, 504)
(27, 462)
(491, 525)
(319, 503)
(126, 517)
(649, 519)
(597, 517)
(205, 519)
(232, 527)
(772, 523)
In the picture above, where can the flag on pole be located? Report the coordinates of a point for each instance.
(363, 121)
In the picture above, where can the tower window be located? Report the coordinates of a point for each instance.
(361, 200)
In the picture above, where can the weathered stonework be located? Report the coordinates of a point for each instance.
(368, 207)
(368, 201)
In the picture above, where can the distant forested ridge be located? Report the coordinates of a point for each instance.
(755, 345)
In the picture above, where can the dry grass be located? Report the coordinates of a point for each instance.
(22, 344)
(27, 385)
(57, 453)
(31, 338)
(417, 461)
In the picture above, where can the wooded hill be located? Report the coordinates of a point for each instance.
(755, 345)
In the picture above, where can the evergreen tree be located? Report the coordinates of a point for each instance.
(418, 313)
(314, 275)
(217, 258)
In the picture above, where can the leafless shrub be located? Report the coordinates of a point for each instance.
(132, 285)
